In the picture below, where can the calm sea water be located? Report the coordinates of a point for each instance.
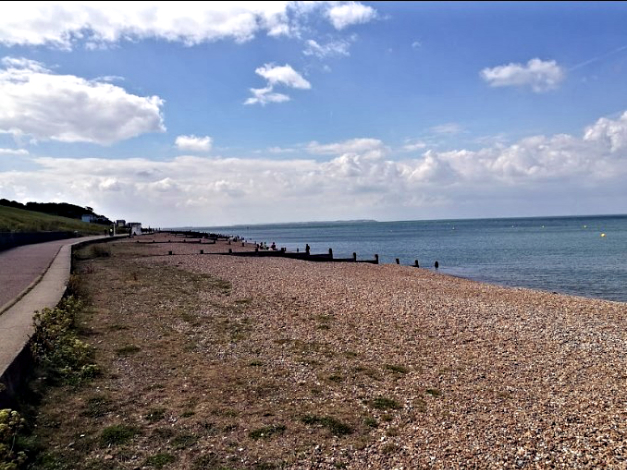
(559, 254)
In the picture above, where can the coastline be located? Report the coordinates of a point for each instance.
(424, 369)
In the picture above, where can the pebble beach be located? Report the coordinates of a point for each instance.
(481, 376)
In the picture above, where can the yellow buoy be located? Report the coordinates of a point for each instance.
(602, 235)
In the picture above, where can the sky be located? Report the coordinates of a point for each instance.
(220, 113)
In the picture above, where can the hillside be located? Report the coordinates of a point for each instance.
(19, 220)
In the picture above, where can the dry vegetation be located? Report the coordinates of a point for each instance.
(218, 362)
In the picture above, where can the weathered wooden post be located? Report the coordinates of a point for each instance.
(416, 263)
(436, 265)
(230, 251)
(331, 253)
(184, 240)
(202, 252)
(169, 252)
(398, 261)
(376, 259)
(354, 256)
(243, 244)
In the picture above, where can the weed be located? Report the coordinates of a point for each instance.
(371, 422)
(382, 403)
(396, 368)
(127, 350)
(76, 287)
(434, 392)
(389, 448)
(207, 461)
(336, 378)
(97, 407)
(336, 427)
(117, 434)
(163, 433)
(187, 414)
(421, 405)
(100, 251)
(255, 363)
(159, 460)
(184, 441)
(10, 424)
(118, 327)
(267, 431)
(55, 344)
(154, 415)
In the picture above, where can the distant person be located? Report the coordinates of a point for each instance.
(110, 232)
(273, 246)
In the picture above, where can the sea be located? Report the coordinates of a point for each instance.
(583, 255)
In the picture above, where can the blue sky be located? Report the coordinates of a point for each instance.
(220, 113)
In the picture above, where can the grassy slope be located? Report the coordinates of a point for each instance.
(18, 220)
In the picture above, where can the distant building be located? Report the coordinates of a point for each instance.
(136, 228)
(120, 223)
(89, 218)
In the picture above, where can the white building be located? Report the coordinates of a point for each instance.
(136, 228)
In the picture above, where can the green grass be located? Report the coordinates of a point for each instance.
(382, 403)
(19, 220)
(336, 427)
(267, 431)
(117, 434)
(159, 460)
(396, 368)
(128, 350)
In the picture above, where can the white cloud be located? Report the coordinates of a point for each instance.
(275, 75)
(191, 143)
(67, 108)
(413, 146)
(363, 145)
(330, 49)
(359, 178)
(540, 75)
(416, 45)
(15, 152)
(451, 128)
(608, 132)
(350, 13)
(264, 96)
(63, 24)
(283, 75)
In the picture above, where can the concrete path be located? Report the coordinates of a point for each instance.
(32, 277)
(22, 266)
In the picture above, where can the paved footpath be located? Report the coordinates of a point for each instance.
(21, 266)
(32, 277)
